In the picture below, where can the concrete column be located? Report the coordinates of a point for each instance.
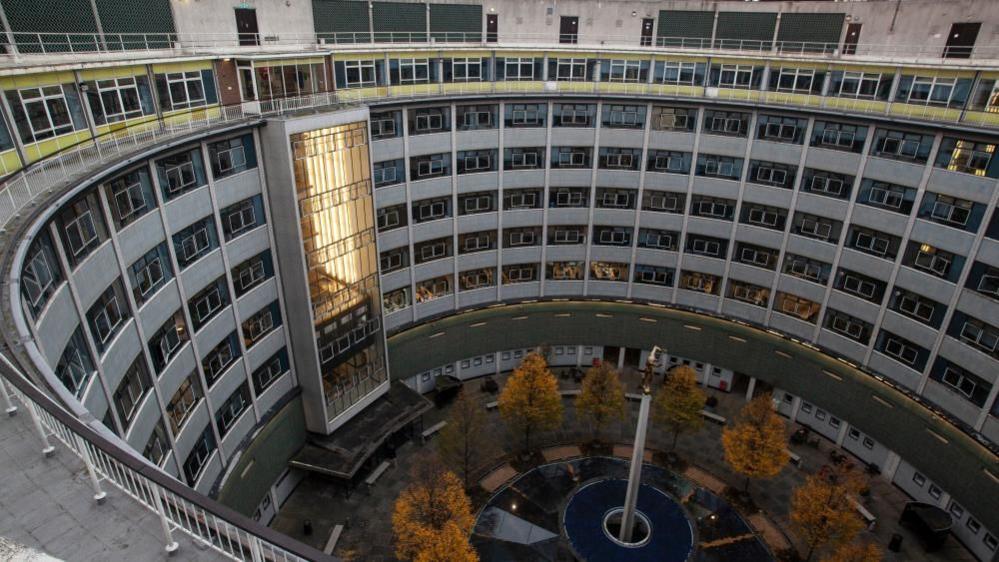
(841, 436)
(750, 388)
(171, 545)
(891, 465)
(620, 358)
(9, 406)
(795, 407)
(895, 80)
(47, 448)
(99, 494)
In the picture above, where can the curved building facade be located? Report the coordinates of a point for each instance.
(295, 223)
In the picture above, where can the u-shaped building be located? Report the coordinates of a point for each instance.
(237, 241)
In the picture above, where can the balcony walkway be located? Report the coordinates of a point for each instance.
(46, 505)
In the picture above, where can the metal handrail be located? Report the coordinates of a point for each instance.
(178, 507)
(18, 44)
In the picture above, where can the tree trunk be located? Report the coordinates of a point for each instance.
(527, 439)
(676, 435)
(811, 551)
(745, 487)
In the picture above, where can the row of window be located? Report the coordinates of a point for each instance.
(955, 154)
(43, 112)
(82, 227)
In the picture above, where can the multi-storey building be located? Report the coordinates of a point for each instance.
(230, 231)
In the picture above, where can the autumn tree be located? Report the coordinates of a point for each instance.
(822, 514)
(756, 445)
(602, 397)
(460, 443)
(679, 402)
(855, 552)
(433, 516)
(530, 400)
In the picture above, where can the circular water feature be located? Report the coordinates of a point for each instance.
(592, 520)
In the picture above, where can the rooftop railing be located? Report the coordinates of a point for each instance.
(178, 508)
(20, 44)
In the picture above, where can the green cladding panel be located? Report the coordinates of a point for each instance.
(810, 28)
(456, 22)
(685, 24)
(398, 21)
(345, 18)
(127, 28)
(755, 28)
(71, 23)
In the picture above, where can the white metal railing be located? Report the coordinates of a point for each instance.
(177, 507)
(17, 44)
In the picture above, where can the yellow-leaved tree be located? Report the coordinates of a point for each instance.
(460, 443)
(601, 399)
(756, 444)
(856, 552)
(530, 400)
(433, 516)
(822, 514)
(679, 402)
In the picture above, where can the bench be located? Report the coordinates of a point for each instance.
(574, 392)
(430, 431)
(492, 405)
(334, 538)
(866, 515)
(711, 416)
(633, 396)
(795, 458)
(376, 474)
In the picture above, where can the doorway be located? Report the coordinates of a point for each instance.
(611, 353)
(647, 25)
(246, 27)
(851, 39)
(568, 31)
(492, 28)
(961, 40)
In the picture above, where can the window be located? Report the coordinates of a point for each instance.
(158, 446)
(620, 158)
(673, 119)
(198, 457)
(758, 256)
(429, 120)
(261, 324)
(561, 235)
(524, 158)
(520, 273)
(653, 275)
(726, 123)
(928, 90)
(705, 246)
(860, 285)
(518, 68)
(799, 80)
(232, 156)
(734, 76)
(195, 241)
(389, 172)
(900, 349)
(570, 70)
(130, 197)
(827, 183)
(781, 129)
(391, 260)
(565, 271)
(762, 215)
(981, 335)
(949, 210)
(570, 197)
(131, 390)
(700, 282)
(914, 306)
(270, 371)
(396, 300)
(574, 115)
(432, 250)
(184, 401)
(900, 145)
(230, 410)
(871, 242)
(167, 341)
(608, 271)
(75, 368)
(413, 71)
(242, 217)
(46, 111)
(570, 157)
(477, 279)
(40, 274)
(857, 85)
(359, 74)
(749, 293)
(476, 203)
(386, 125)
(805, 268)
(796, 306)
(430, 166)
(218, 359)
(82, 227)
(471, 161)
(388, 218)
(431, 289)
(624, 116)
(663, 201)
(886, 196)
(711, 207)
(848, 326)
(839, 136)
(719, 166)
(473, 117)
(431, 209)
(814, 226)
(116, 99)
(183, 89)
(615, 198)
(965, 156)
(526, 114)
(678, 73)
(627, 70)
(477, 241)
(107, 315)
(658, 239)
(180, 173)
(515, 199)
(932, 260)
(521, 237)
(669, 162)
(205, 304)
(149, 273)
(612, 236)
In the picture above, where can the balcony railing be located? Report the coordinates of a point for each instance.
(17, 44)
(178, 508)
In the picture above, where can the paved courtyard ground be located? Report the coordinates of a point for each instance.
(368, 535)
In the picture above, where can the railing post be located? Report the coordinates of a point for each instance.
(47, 448)
(171, 545)
(11, 409)
(255, 554)
(99, 494)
